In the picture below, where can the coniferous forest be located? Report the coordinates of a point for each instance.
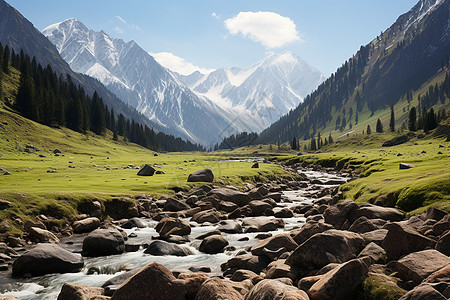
(56, 101)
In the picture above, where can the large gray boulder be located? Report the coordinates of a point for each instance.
(231, 195)
(331, 246)
(47, 259)
(146, 170)
(205, 175)
(161, 248)
(101, 242)
(371, 211)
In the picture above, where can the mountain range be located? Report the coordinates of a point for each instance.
(203, 108)
(406, 59)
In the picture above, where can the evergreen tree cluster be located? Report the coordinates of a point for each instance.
(53, 100)
(238, 140)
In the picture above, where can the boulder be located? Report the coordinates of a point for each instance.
(230, 226)
(337, 214)
(331, 246)
(213, 244)
(175, 205)
(434, 213)
(268, 246)
(269, 289)
(101, 242)
(262, 224)
(218, 289)
(259, 207)
(402, 239)
(172, 226)
(231, 195)
(404, 166)
(71, 291)
(255, 165)
(371, 211)
(442, 226)
(374, 251)
(398, 140)
(210, 215)
(227, 206)
(284, 213)
(361, 225)
(308, 230)
(47, 259)
(376, 236)
(192, 283)
(440, 275)
(341, 282)
(133, 223)
(241, 275)
(161, 248)
(443, 244)
(43, 236)
(205, 175)
(278, 269)
(419, 265)
(152, 282)
(423, 292)
(86, 225)
(248, 262)
(146, 170)
(36, 223)
(4, 204)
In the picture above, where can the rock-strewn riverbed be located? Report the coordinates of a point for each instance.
(280, 240)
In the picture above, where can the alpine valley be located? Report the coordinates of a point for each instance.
(203, 108)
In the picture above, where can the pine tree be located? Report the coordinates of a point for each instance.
(412, 120)
(430, 121)
(392, 120)
(98, 124)
(294, 144)
(379, 127)
(25, 94)
(330, 139)
(313, 144)
(369, 130)
(6, 58)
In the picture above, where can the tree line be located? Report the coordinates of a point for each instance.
(53, 100)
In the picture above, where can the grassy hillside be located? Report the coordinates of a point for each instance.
(381, 181)
(93, 167)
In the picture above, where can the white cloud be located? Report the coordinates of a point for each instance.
(121, 19)
(118, 29)
(214, 15)
(269, 28)
(177, 64)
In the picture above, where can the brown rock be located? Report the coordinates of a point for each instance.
(241, 275)
(371, 211)
(218, 289)
(274, 244)
(205, 175)
(231, 195)
(307, 282)
(71, 291)
(362, 225)
(174, 226)
(36, 223)
(193, 282)
(442, 226)
(43, 236)
(278, 269)
(423, 292)
(443, 244)
(341, 282)
(86, 225)
(376, 236)
(440, 275)
(336, 215)
(259, 207)
(402, 239)
(154, 281)
(262, 224)
(213, 244)
(419, 265)
(175, 205)
(310, 229)
(375, 252)
(248, 262)
(269, 289)
(327, 247)
(211, 216)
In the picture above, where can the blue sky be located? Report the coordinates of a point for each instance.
(323, 32)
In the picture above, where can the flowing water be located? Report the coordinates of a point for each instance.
(48, 287)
